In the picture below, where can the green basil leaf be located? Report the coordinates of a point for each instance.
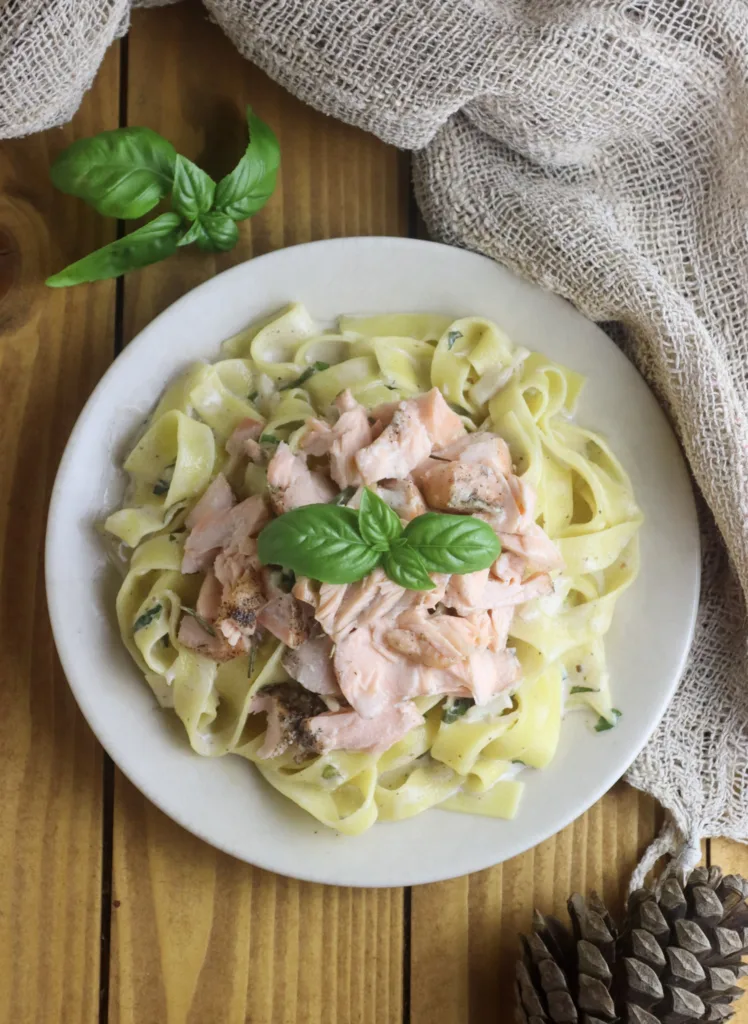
(194, 233)
(221, 232)
(153, 242)
(193, 190)
(378, 524)
(249, 186)
(404, 566)
(455, 710)
(319, 541)
(454, 544)
(121, 173)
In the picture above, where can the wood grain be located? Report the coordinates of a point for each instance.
(54, 345)
(465, 932)
(196, 935)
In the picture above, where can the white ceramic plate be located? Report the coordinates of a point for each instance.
(225, 800)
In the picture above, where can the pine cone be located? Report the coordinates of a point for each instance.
(675, 959)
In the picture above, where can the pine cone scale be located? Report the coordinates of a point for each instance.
(675, 960)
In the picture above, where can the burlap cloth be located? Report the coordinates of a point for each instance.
(598, 148)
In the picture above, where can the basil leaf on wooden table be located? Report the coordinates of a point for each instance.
(378, 524)
(454, 544)
(319, 541)
(221, 232)
(404, 566)
(121, 173)
(153, 242)
(193, 189)
(249, 186)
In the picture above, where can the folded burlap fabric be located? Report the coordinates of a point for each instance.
(599, 148)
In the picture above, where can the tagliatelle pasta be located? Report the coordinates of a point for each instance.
(286, 371)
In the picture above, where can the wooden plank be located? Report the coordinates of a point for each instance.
(54, 345)
(197, 935)
(465, 932)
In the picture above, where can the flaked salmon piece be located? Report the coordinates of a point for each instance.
(466, 591)
(437, 640)
(273, 582)
(501, 622)
(342, 441)
(525, 498)
(495, 593)
(291, 483)
(486, 674)
(403, 497)
(288, 707)
(223, 529)
(509, 567)
(242, 597)
(469, 487)
(417, 425)
(399, 448)
(443, 425)
(214, 646)
(248, 430)
(382, 415)
(208, 601)
(218, 497)
(374, 678)
(287, 619)
(347, 730)
(305, 589)
(342, 606)
(535, 546)
(482, 447)
(311, 665)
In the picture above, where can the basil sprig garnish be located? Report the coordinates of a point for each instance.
(124, 173)
(337, 544)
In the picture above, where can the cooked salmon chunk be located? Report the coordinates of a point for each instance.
(417, 425)
(311, 665)
(217, 530)
(482, 447)
(341, 442)
(468, 487)
(217, 498)
(289, 620)
(248, 430)
(291, 483)
(347, 730)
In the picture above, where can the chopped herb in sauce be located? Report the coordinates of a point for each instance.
(518, 760)
(252, 659)
(452, 337)
(287, 580)
(163, 483)
(309, 372)
(603, 724)
(146, 618)
(330, 772)
(253, 396)
(456, 709)
(583, 689)
(269, 439)
(345, 495)
(199, 619)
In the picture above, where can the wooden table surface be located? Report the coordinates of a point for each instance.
(108, 910)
